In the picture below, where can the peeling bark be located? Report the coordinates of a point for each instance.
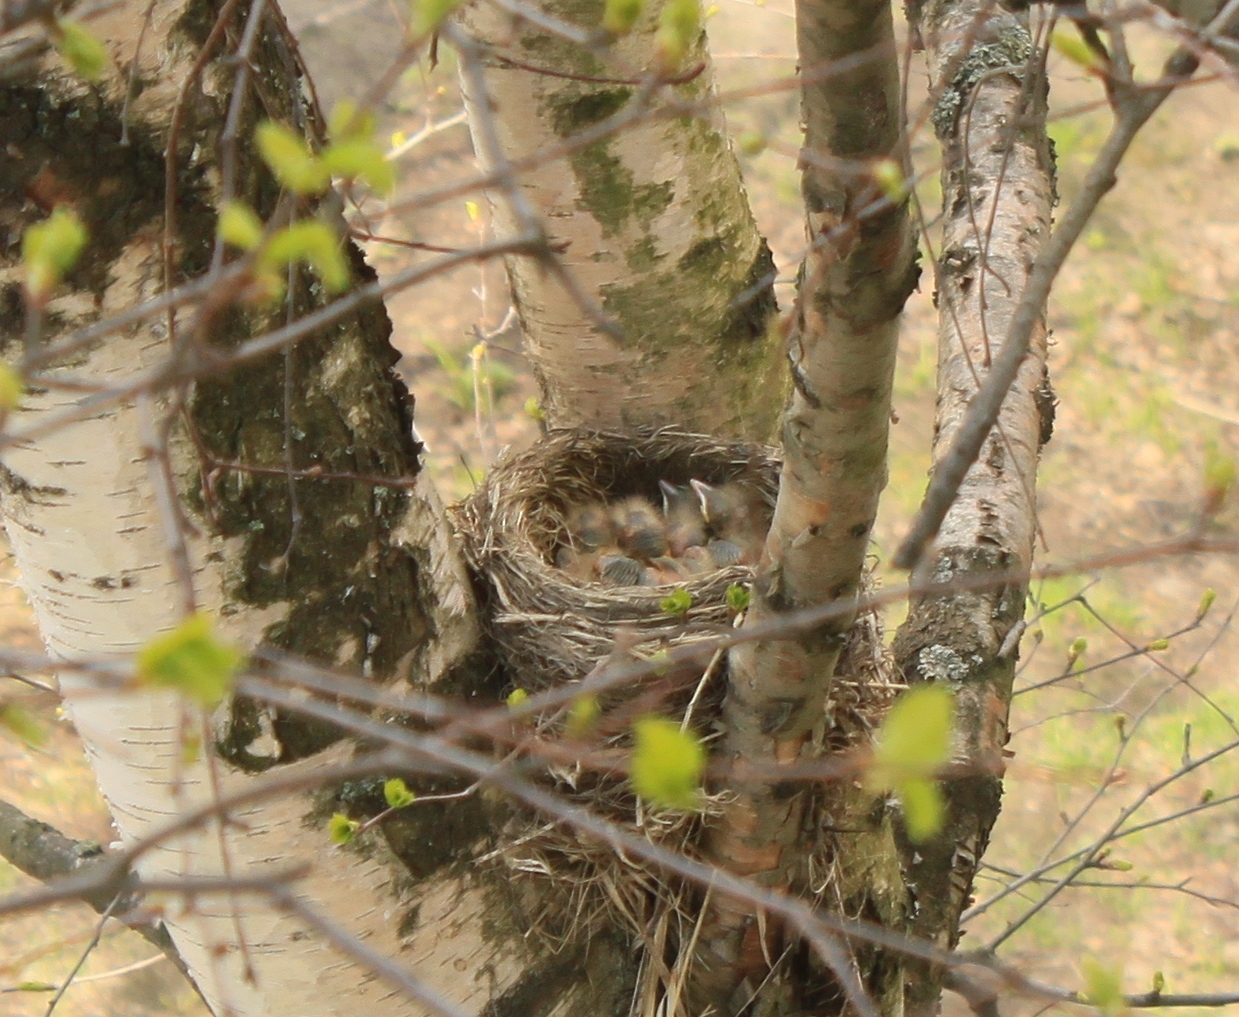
(998, 169)
(654, 226)
(853, 285)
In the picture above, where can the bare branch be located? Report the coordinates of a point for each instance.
(43, 852)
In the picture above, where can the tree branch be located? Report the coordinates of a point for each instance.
(1134, 106)
(997, 183)
(43, 852)
(859, 271)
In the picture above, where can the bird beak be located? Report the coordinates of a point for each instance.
(670, 493)
(704, 491)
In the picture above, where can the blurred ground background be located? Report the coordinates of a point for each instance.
(1146, 332)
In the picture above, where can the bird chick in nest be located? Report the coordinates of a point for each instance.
(620, 570)
(737, 517)
(640, 530)
(686, 526)
(590, 537)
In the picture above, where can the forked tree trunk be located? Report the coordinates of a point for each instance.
(368, 579)
(653, 224)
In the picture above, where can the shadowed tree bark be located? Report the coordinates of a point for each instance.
(338, 566)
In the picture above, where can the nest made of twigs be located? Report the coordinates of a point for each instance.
(552, 629)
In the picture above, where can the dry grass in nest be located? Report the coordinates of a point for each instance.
(552, 630)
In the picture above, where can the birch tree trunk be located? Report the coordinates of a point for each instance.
(998, 190)
(652, 221)
(860, 269)
(118, 533)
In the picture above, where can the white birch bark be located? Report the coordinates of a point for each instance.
(81, 509)
(859, 270)
(653, 224)
(997, 183)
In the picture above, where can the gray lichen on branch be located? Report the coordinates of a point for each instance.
(1008, 50)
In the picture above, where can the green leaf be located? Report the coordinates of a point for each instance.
(360, 158)
(923, 808)
(1158, 644)
(619, 16)
(397, 794)
(50, 248)
(679, 26)
(1159, 981)
(676, 603)
(533, 409)
(313, 242)
(348, 123)
(582, 716)
(1075, 49)
(1076, 650)
(517, 698)
(913, 742)
(1206, 602)
(667, 764)
(738, 597)
(1103, 986)
(752, 142)
(191, 748)
(239, 225)
(429, 14)
(1219, 471)
(290, 159)
(1226, 145)
(20, 723)
(191, 660)
(889, 177)
(81, 50)
(341, 829)
(11, 388)
(37, 987)
(915, 737)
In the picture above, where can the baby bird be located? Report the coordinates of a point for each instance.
(620, 570)
(725, 553)
(589, 526)
(639, 529)
(736, 514)
(667, 571)
(582, 566)
(697, 560)
(686, 526)
(589, 537)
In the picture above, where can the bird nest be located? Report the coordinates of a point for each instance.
(553, 629)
